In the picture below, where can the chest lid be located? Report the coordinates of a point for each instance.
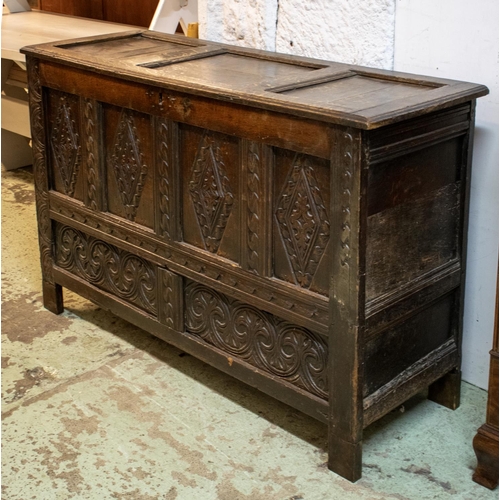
(351, 95)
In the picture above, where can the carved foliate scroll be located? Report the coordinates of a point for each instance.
(126, 275)
(303, 220)
(290, 352)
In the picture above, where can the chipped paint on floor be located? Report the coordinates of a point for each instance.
(95, 408)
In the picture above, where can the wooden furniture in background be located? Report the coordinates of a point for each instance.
(486, 440)
(18, 30)
(299, 224)
(176, 16)
(136, 13)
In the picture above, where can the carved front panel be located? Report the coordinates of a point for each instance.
(121, 273)
(210, 169)
(129, 164)
(289, 352)
(65, 143)
(301, 228)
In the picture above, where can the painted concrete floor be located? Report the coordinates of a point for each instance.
(94, 408)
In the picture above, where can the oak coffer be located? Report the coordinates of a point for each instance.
(297, 223)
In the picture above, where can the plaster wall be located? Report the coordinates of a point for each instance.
(350, 31)
(239, 22)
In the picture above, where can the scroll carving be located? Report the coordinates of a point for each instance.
(290, 352)
(317, 313)
(107, 267)
(40, 169)
(96, 222)
(128, 164)
(303, 220)
(210, 192)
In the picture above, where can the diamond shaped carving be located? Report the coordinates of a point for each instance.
(66, 146)
(303, 220)
(128, 164)
(210, 192)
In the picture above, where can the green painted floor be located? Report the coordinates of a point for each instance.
(94, 408)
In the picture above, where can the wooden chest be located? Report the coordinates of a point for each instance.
(299, 224)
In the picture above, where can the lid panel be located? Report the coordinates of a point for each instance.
(232, 70)
(356, 92)
(127, 47)
(337, 93)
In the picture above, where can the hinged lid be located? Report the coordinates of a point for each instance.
(339, 93)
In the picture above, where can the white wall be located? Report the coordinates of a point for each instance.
(351, 31)
(458, 39)
(455, 39)
(240, 22)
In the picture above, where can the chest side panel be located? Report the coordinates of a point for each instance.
(415, 226)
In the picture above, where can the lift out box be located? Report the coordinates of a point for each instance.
(299, 224)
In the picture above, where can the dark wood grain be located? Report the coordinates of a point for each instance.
(412, 239)
(81, 8)
(116, 11)
(256, 86)
(348, 217)
(92, 155)
(66, 145)
(393, 350)
(129, 11)
(299, 224)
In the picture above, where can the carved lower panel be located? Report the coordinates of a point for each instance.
(40, 169)
(65, 212)
(262, 340)
(125, 275)
(312, 313)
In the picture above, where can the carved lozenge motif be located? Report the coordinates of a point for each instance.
(211, 192)
(65, 143)
(303, 220)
